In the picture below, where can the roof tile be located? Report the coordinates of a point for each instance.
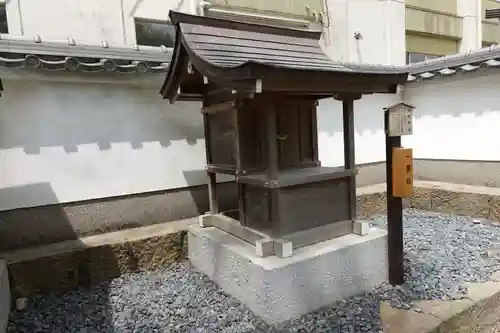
(36, 53)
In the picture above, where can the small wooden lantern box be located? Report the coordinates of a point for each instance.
(260, 88)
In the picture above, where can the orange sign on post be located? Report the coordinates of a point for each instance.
(402, 172)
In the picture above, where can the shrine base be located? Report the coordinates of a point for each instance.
(278, 289)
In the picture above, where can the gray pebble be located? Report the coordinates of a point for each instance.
(442, 252)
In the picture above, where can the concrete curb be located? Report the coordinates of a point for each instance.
(64, 266)
(479, 313)
(455, 199)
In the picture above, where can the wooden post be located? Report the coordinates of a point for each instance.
(349, 158)
(212, 193)
(394, 212)
(212, 178)
(272, 159)
(272, 143)
(238, 150)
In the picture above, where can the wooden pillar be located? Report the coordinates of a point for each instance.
(240, 190)
(212, 193)
(272, 160)
(349, 153)
(395, 241)
(212, 179)
(314, 131)
(349, 161)
(272, 143)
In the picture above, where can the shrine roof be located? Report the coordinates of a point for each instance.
(224, 50)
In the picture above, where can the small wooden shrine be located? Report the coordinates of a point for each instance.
(260, 87)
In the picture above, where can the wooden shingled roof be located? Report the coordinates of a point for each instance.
(250, 57)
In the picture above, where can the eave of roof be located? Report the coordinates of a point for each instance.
(37, 54)
(236, 55)
(457, 64)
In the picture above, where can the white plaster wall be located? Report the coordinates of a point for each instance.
(69, 141)
(368, 126)
(89, 141)
(456, 119)
(382, 27)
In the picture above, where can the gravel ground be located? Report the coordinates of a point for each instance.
(442, 252)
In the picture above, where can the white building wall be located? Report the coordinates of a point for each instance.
(456, 118)
(471, 12)
(380, 23)
(368, 128)
(91, 141)
(89, 21)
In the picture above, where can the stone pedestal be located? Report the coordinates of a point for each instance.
(278, 289)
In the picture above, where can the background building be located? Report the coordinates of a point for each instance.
(437, 28)
(379, 24)
(389, 31)
(490, 28)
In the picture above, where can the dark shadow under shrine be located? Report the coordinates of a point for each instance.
(260, 87)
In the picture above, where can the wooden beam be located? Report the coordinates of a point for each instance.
(307, 86)
(347, 96)
(217, 96)
(221, 95)
(190, 97)
(221, 107)
(219, 83)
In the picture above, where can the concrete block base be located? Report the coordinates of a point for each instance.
(278, 289)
